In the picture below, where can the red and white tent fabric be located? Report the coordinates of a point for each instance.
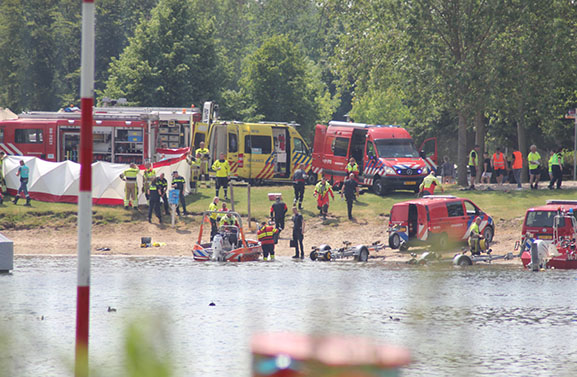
(58, 181)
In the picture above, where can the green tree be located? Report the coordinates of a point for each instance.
(170, 61)
(281, 83)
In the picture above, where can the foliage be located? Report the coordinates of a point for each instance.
(170, 61)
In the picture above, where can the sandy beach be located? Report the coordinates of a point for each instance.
(124, 239)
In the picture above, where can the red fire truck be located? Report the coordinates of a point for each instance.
(386, 156)
(121, 134)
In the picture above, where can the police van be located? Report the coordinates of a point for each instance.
(257, 152)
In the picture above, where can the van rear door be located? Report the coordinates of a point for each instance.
(428, 152)
(233, 156)
(319, 147)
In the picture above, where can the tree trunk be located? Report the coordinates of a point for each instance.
(522, 140)
(462, 150)
(480, 141)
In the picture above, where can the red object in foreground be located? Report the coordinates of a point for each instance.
(287, 354)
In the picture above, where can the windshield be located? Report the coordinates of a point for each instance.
(542, 219)
(396, 148)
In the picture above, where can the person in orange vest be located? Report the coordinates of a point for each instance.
(517, 166)
(499, 165)
(266, 235)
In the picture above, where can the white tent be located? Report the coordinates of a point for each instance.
(58, 181)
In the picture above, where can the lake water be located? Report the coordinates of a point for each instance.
(483, 320)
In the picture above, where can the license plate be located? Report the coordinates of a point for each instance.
(545, 237)
(407, 183)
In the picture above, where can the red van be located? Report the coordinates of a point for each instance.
(435, 219)
(538, 223)
(386, 156)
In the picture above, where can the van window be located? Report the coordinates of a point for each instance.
(28, 136)
(1, 135)
(232, 143)
(471, 209)
(542, 219)
(340, 146)
(299, 146)
(370, 149)
(198, 138)
(455, 209)
(257, 144)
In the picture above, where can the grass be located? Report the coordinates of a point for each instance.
(369, 208)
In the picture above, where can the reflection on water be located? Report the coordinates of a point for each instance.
(485, 320)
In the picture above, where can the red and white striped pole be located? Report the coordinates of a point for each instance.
(85, 194)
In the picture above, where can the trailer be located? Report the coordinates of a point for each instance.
(359, 253)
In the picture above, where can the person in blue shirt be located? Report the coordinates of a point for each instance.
(24, 174)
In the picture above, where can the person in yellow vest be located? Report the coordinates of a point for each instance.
(499, 165)
(556, 162)
(517, 166)
(130, 188)
(534, 160)
(322, 191)
(222, 169)
(149, 175)
(429, 183)
(266, 236)
(194, 162)
(353, 167)
(213, 206)
(204, 159)
(475, 236)
(473, 163)
(549, 164)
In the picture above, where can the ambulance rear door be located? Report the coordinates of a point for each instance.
(282, 152)
(233, 156)
(319, 147)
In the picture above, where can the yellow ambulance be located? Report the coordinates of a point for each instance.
(257, 152)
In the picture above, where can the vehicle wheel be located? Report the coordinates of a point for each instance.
(394, 241)
(314, 255)
(328, 256)
(378, 186)
(488, 233)
(442, 241)
(312, 178)
(462, 260)
(363, 255)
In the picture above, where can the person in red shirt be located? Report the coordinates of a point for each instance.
(266, 235)
(517, 166)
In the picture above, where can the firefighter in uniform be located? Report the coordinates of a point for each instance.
(534, 159)
(429, 183)
(194, 162)
(130, 189)
(499, 165)
(473, 163)
(556, 162)
(222, 169)
(475, 237)
(322, 191)
(163, 184)
(299, 177)
(149, 175)
(353, 167)
(266, 235)
(277, 213)
(178, 183)
(204, 157)
(213, 206)
(154, 195)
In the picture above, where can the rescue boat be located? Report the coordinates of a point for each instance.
(561, 253)
(228, 245)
